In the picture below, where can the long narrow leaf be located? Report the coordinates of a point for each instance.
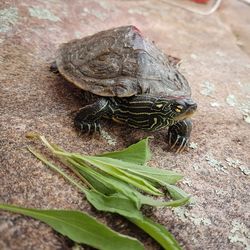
(138, 153)
(98, 185)
(117, 203)
(120, 174)
(161, 176)
(57, 169)
(176, 193)
(146, 200)
(112, 170)
(80, 227)
(105, 183)
(158, 232)
(116, 185)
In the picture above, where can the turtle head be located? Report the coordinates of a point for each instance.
(182, 108)
(178, 108)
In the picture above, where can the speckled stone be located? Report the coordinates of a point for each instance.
(214, 49)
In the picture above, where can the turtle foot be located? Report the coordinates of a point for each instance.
(178, 135)
(88, 118)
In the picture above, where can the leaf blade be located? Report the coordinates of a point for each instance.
(161, 176)
(157, 232)
(176, 193)
(116, 203)
(120, 174)
(80, 227)
(138, 153)
(117, 186)
(146, 200)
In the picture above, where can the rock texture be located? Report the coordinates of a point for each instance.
(216, 61)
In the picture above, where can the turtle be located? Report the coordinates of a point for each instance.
(135, 83)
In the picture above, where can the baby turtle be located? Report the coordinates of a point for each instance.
(136, 83)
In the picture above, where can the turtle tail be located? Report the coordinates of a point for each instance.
(53, 67)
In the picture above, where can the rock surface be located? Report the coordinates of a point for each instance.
(216, 60)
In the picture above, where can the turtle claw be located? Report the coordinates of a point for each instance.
(178, 135)
(88, 128)
(178, 143)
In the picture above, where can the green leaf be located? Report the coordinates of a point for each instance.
(102, 180)
(160, 176)
(113, 170)
(116, 203)
(176, 193)
(57, 169)
(80, 228)
(146, 200)
(116, 185)
(157, 232)
(98, 185)
(140, 175)
(107, 168)
(138, 153)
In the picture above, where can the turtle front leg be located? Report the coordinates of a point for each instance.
(87, 119)
(179, 134)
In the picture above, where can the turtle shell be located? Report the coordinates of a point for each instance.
(120, 62)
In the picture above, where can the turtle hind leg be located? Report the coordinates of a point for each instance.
(53, 67)
(87, 119)
(179, 135)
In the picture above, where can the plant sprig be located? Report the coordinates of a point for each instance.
(119, 182)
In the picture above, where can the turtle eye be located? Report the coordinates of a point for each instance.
(178, 108)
